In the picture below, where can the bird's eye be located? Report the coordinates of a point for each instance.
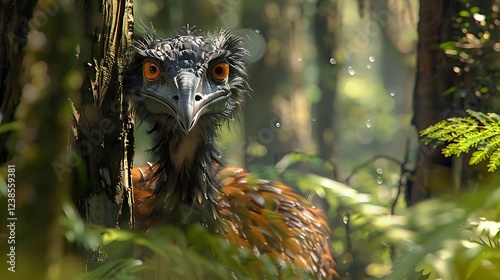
(220, 71)
(151, 70)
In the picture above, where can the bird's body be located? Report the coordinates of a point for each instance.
(188, 86)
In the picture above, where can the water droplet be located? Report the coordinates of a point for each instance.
(392, 93)
(351, 71)
(379, 171)
(379, 180)
(257, 30)
(371, 58)
(333, 61)
(345, 219)
(278, 124)
(368, 123)
(368, 66)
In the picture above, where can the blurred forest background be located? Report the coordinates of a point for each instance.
(317, 69)
(341, 90)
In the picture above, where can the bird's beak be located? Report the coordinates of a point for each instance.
(187, 98)
(190, 101)
(196, 98)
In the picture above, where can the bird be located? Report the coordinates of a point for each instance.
(188, 86)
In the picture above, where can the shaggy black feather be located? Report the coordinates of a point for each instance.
(193, 183)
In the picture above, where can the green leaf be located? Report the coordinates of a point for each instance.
(478, 131)
(115, 269)
(451, 89)
(449, 45)
(11, 126)
(3, 187)
(464, 13)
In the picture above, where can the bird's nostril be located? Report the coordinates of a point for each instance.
(180, 122)
(197, 97)
(175, 98)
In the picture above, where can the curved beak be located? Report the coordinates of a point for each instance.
(189, 101)
(185, 98)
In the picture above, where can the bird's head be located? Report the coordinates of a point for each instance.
(187, 78)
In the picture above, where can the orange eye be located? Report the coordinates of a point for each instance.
(151, 70)
(220, 71)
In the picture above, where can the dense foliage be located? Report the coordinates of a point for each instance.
(478, 131)
(448, 238)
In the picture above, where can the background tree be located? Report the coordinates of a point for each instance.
(79, 61)
(433, 79)
(325, 28)
(15, 25)
(457, 66)
(30, 65)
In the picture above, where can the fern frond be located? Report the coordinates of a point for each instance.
(478, 131)
(494, 160)
(454, 149)
(479, 155)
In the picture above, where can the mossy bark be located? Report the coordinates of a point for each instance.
(60, 76)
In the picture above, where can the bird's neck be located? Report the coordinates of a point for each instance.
(187, 167)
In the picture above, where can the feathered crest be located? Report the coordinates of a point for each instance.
(188, 30)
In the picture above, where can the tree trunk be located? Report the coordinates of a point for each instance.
(75, 50)
(14, 26)
(433, 172)
(102, 126)
(325, 27)
(37, 56)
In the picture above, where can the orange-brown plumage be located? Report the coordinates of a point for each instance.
(187, 86)
(265, 217)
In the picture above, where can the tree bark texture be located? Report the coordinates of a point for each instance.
(433, 172)
(14, 26)
(102, 125)
(75, 50)
(325, 27)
